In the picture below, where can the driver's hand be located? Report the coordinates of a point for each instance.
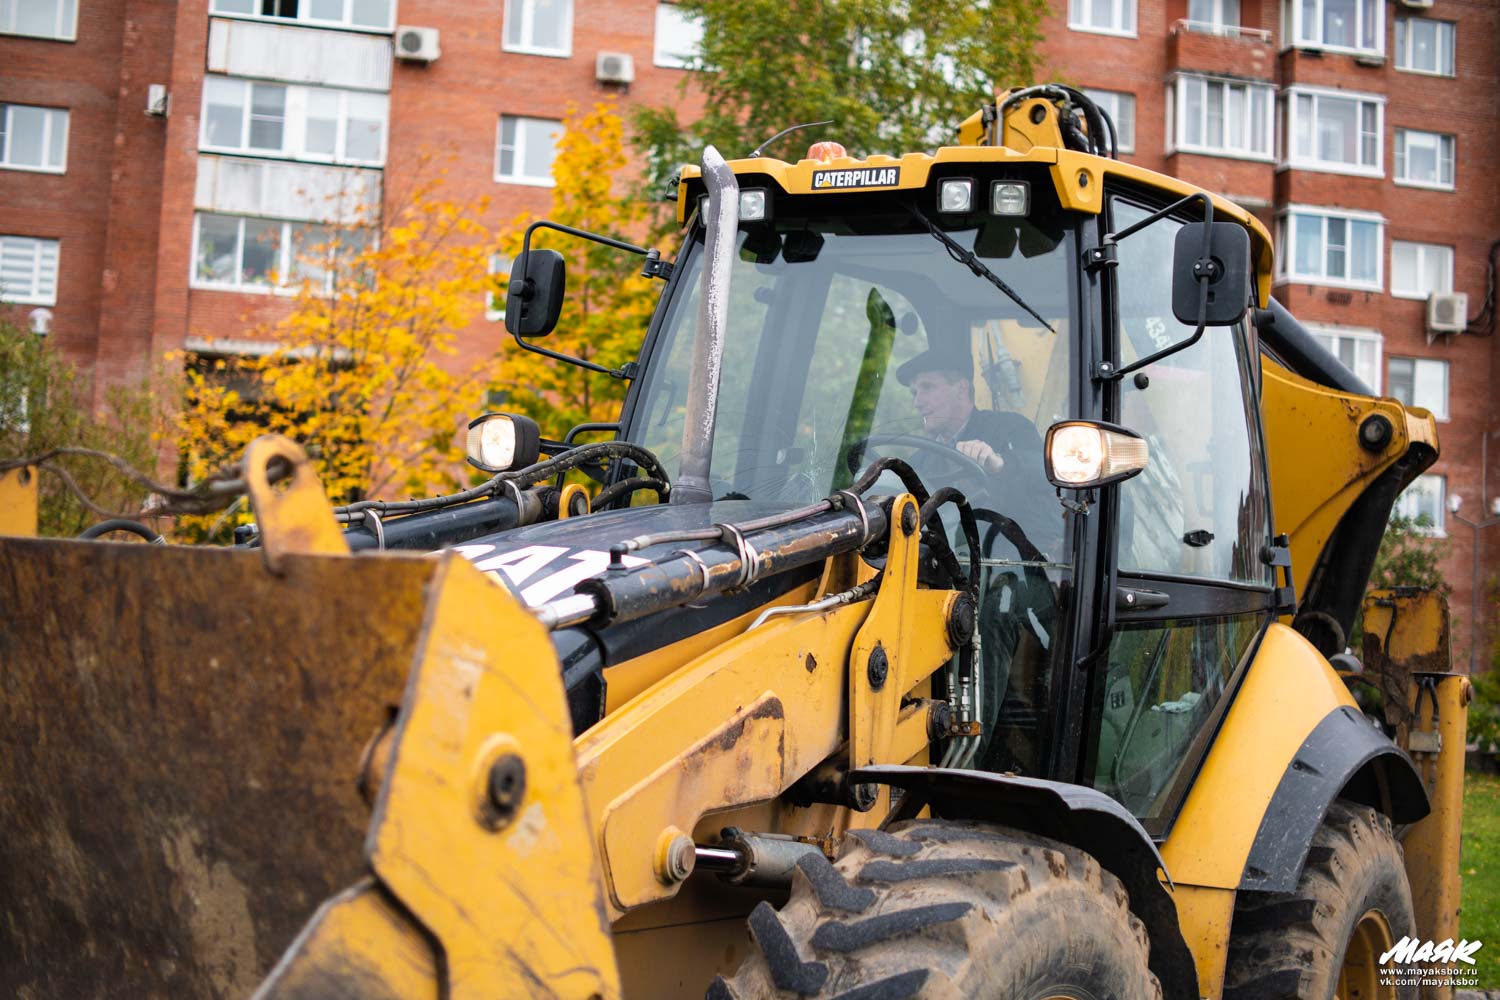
(981, 453)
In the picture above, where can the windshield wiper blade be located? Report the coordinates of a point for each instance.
(974, 264)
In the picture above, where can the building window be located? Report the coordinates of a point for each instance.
(1425, 46)
(1420, 382)
(1111, 17)
(1222, 117)
(1420, 269)
(244, 254)
(1334, 132)
(1214, 15)
(28, 270)
(376, 15)
(679, 37)
(1424, 502)
(1121, 111)
(1424, 159)
(40, 18)
(303, 123)
(1357, 350)
(1330, 247)
(541, 27)
(1349, 25)
(525, 150)
(33, 138)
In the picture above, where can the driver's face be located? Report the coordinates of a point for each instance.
(943, 401)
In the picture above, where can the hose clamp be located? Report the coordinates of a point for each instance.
(749, 558)
(852, 499)
(702, 567)
(379, 529)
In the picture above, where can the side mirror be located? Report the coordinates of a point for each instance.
(538, 279)
(1228, 267)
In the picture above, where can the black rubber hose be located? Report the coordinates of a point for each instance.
(948, 494)
(610, 494)
(122, 524)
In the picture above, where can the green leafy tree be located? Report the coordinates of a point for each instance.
(1484, 711)
(894, 77)
(1410, 555)
(44, 405)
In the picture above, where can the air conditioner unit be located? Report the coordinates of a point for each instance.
(614, 67)
(157, 100)
(417, 44)
(1447, 312)
(1420, 4)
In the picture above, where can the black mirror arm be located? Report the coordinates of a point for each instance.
(625, 371)
(1203, 269)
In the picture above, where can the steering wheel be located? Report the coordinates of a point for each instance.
(962, 464)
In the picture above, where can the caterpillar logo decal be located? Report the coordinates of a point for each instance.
(856, 179)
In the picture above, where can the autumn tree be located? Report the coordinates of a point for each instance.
(894, 77)
(608, 304)
(362, 371)
(45, 405)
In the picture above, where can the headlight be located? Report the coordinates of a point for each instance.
(753, 205)
(1082, 454)
(499, 442)
(1010, 197)
(956, 194)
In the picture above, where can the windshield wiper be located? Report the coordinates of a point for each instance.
(973, 263)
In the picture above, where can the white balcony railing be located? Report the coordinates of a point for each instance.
(1224, 30)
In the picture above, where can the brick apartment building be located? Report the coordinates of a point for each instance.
(160, 160)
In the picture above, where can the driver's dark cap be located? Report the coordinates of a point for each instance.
(953, 360)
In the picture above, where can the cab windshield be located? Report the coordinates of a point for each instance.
(856, 333)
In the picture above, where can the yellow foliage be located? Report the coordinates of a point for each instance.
(358, 375)
(608, 304)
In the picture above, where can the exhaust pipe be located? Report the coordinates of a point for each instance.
(723, 223)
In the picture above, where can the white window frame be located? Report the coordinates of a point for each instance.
(1218, 24)
(1423, 251)
(304, 16)
(1401, 159)
(1448, 53)
(1177, 106)
(520, 152)
(1356, 334)
(683, 22)
(1439, 528)
(1288, 256)
(294, 124)
(527, 10)
(1109, 102)
(67, 27)
(1078, 12)
(285, 270)
(1319, 96)
(1292, 35)
(49, 124)
(37, 244)
(1440, 411)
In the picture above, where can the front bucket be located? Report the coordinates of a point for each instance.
(180, 739)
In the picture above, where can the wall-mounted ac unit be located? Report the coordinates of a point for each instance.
(417, 44)
(614, 67)
(157, 100)
(1420, 4)
(1447, 312)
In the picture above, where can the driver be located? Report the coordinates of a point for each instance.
(942, 383)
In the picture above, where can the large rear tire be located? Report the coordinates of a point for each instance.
(948, 910)
(1324, 939)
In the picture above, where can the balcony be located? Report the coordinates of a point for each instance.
(299, 55)
(1221, 50)
(299, 192)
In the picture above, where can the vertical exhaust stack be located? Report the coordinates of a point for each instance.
(722, 223)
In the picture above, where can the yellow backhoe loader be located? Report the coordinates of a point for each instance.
(963, 612)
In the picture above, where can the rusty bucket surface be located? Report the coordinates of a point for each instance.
(180, 737)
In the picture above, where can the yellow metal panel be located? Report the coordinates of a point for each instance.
(292, 515)
(1318, 468)
(18, 501)
(513, 896)
(1287, 691)
(362, 944)
(1205, 916)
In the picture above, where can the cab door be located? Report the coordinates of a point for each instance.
(1188, 538)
